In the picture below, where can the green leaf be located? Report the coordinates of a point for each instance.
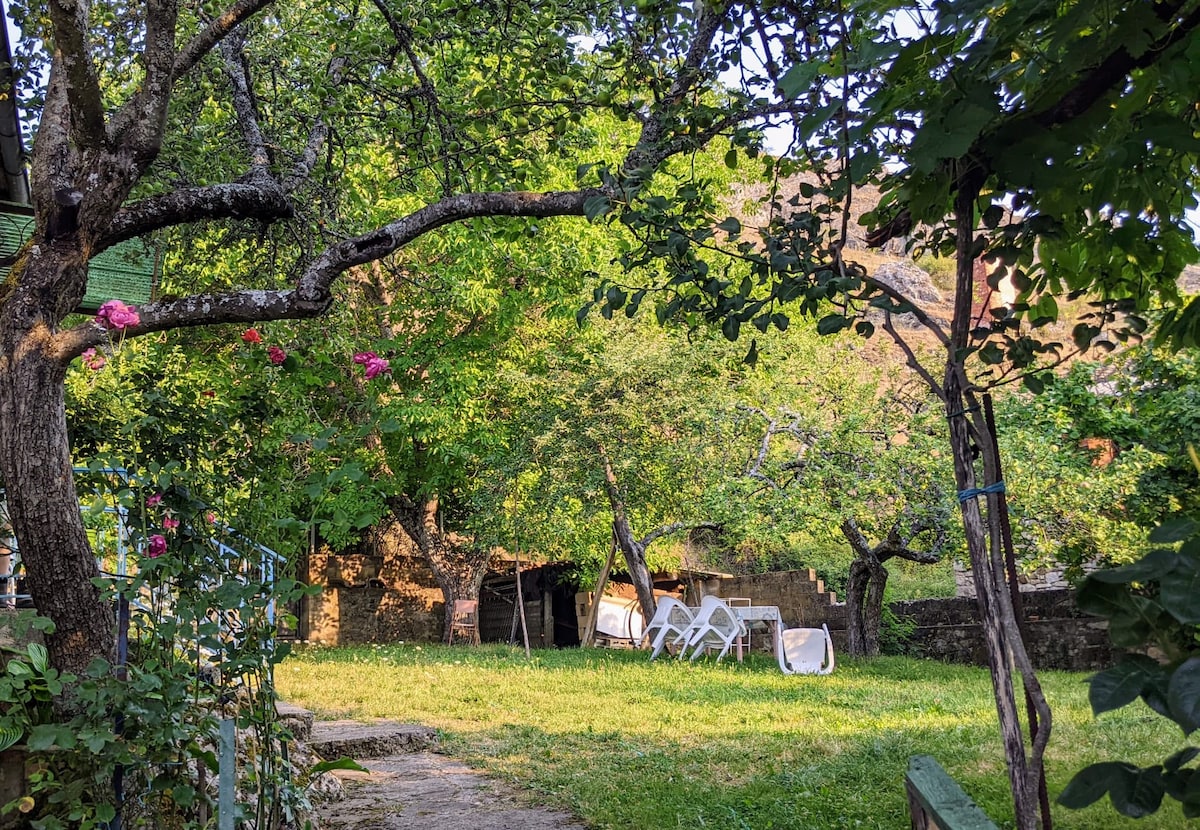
(731, 158)
(1102, 599)
(730, 327)
(1091, 783)
(1134, 626)
(1183, 695)
(1140, 794)
(341, 763)
(596, 206)
(798, 79)
(832, 324)
(730, 225)
(1034, 384)
(39, 657)
(582, 314)
(9, 735)
(1180, 595)
(991, 354)
(1180, 758)
(751, 357)
(1175, 530)
(1153, 566)
(1122, 684)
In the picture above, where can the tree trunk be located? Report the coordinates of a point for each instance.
(633, 550)
(864, 594)
(35, 460)
(1001, 636)
(872, 610)
(856, 595)
(458, 567)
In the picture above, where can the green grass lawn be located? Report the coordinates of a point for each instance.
(629, 744)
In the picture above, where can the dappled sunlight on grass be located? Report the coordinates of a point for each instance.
(626, 743)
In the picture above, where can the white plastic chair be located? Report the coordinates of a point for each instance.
(716, 624)
(671, 619)
(806, 651)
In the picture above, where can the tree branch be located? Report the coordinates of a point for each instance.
(142, 133)
(260, 199)
(650, 149)
(915, 310)
(315, 283)
(243, 101)
(862, 548)
(73, 58)
(143, 110)
(910, 357)
(673, 528)
(202, 43)
(317, 136)
(1106, 75)
(246, 306)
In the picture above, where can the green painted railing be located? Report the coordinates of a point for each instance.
(936, 802)
(126, 272)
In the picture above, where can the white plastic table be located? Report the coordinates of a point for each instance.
(768, 614)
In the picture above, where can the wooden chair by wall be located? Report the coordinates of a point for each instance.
(465, 620)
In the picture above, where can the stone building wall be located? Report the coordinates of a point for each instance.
(1060, 635)
(382, 592)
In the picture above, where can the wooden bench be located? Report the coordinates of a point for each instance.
(936, 802)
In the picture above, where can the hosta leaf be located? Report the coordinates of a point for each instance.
(9, 735)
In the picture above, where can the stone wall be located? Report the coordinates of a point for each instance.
(16, 632)
(1043, 579)
(1060, 635)
(802, 599)
(381, 592)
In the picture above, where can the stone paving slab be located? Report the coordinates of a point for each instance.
(334, 739)
(429, 790)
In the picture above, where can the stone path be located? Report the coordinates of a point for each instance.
(409, 784)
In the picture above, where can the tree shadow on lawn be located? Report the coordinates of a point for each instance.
(744, 748)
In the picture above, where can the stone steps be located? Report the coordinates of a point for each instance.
(346, 738)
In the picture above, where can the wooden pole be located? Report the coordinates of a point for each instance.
(589, 628)
(521, 604)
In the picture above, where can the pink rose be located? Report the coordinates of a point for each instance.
(363, 357)
(276, 355)
(170, 522)
(154, 500)
(93, 359)
(157, 547)
(376, 366)
(114, 314)
(210, 517)
(251, 336)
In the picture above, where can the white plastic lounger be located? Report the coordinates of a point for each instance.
(806, 651)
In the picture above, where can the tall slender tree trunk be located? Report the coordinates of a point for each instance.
(632, 549)
(35, 460)
(1001, 635)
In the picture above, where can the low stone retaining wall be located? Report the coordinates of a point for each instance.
(1060, 635)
